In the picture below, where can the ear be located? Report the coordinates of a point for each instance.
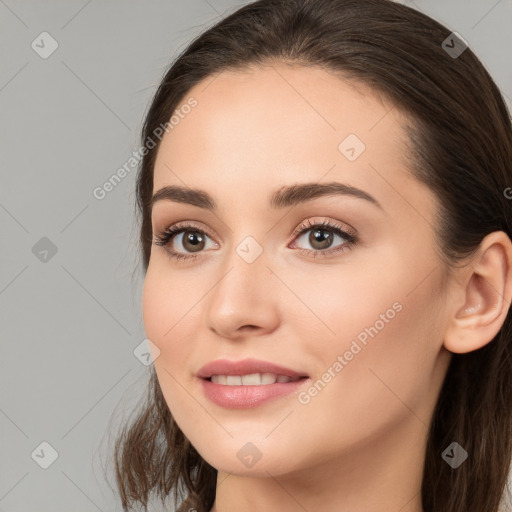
(482, 296)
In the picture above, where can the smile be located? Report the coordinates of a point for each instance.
(252, 379)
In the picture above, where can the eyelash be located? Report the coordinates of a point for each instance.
(164, 237)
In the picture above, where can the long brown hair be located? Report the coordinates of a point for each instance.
(460, 147)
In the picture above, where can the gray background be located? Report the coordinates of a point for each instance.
(72, 321)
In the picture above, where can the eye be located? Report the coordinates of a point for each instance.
(322, 238)
(183, 240)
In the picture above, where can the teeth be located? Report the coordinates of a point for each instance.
(268, 378)
(253, 379)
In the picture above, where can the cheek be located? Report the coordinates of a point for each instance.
(166, 311)
(389, 340)
(168, 320)
(338, 303)
(155, 310)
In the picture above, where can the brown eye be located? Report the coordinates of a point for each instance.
(184, 241)
(193, 241)
(320, 238)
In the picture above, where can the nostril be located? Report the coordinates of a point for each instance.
(248, 327)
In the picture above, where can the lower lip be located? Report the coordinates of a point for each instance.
(244, 397)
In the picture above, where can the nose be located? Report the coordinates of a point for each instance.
(243, 300)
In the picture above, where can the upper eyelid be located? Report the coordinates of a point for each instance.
(181, 226)
(307, 224)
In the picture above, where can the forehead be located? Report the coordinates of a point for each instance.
(261, 127)
(280, 108)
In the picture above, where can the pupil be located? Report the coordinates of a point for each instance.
(195, 240)
(321, 237)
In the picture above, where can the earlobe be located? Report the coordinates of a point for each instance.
(485, 291)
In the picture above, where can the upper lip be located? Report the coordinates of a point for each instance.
(244, 367)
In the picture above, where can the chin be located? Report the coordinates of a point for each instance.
(244, 458)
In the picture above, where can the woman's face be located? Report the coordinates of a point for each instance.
(256, 278)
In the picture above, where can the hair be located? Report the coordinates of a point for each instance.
(460, 146)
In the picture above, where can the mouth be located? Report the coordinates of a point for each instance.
(253, 372)
(253, 379)
(248, 383)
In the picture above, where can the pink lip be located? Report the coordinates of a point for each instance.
(244, 367)
(242, 397)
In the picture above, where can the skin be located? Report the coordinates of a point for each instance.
(358, 444)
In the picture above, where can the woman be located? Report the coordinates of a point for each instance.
(326, 238)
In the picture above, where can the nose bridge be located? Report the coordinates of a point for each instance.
(242, 294)
(246, 274)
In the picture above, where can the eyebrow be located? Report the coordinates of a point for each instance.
(289, 195)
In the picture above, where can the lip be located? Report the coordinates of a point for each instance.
(243, 397)
(245, 367)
